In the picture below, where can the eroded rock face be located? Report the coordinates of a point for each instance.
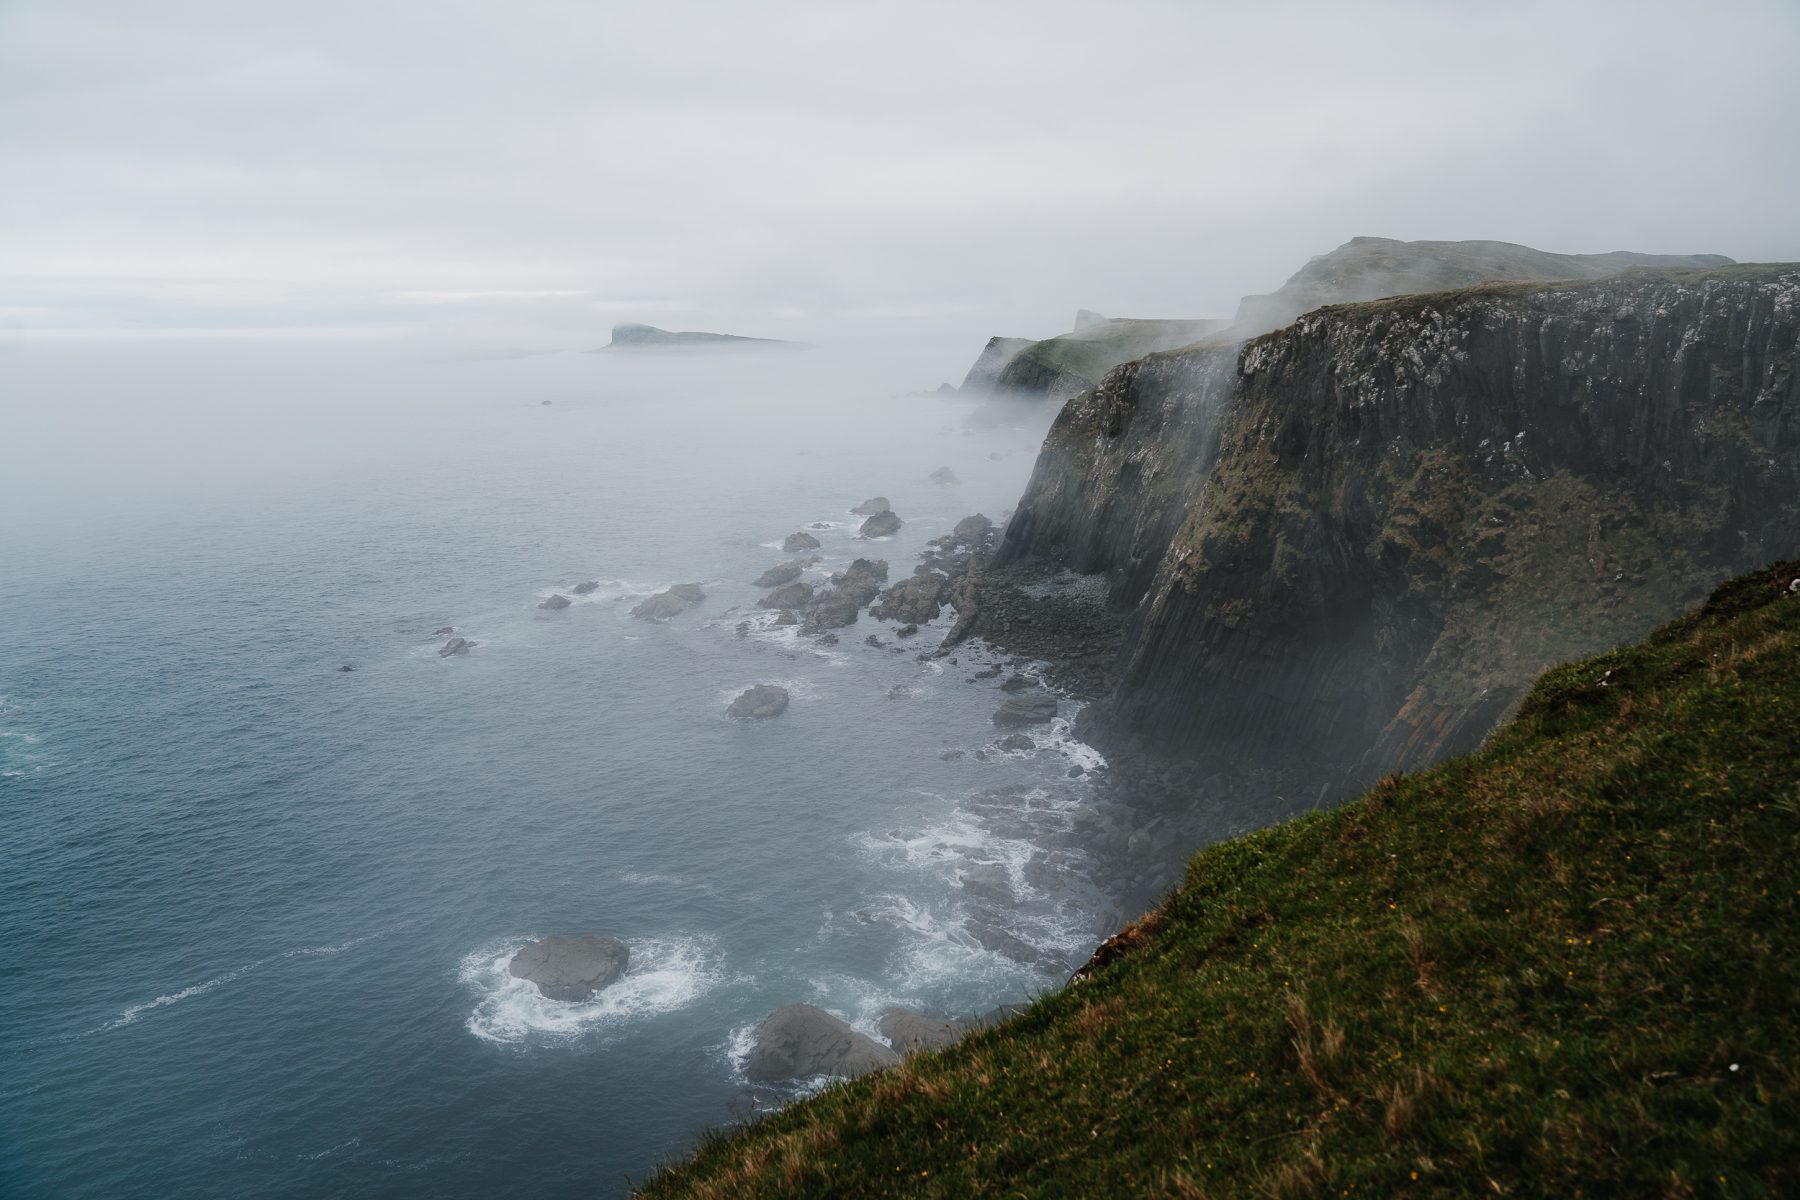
(571, 969)
(1360, 537)
(882, 524)
(759, 703)
(800, 1042)
(799, 541)
(670, 602)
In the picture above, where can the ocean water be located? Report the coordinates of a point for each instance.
(256, 910)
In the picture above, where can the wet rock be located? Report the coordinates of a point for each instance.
(986, 673)
(910, 1032)
(571, 968)
(443, 631)
(759, 703)
(1016, 741)
(827, 639)
(1026, 710)
(1017, 683)
(851, 588)
(780, 573)
(555, 601)
(670, 602)
(586, 588)
(800, 1042)
(796, 542)
(346, 667)
(953, 755)
(455, 646)
(871, 506)
(797, 594)
(786, 617)
(945, 476)
(976, 528)
(915, 599)
(874, 641)
(987, 932)
(906, 631)
(882, 524)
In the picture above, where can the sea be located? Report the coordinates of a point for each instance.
(257, 909)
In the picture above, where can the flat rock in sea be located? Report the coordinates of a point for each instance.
(670, 602)
(454, 646)
(871, 506)
(798, 541)
(1025, 710)
(882, 524)
(759, 703)
(910, 1032)
(571, 968)
(800, 1042)
(586, 587)
(555, 601)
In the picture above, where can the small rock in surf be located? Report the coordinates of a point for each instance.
(799, 541)
(871, 506)
(455, 645)
(571, 969)
(670, 602)
(882, 524)
(759, 703)
(800, 1042)
(556, 600)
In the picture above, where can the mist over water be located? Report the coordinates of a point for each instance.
(258, 909)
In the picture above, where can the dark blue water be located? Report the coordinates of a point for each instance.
(256, 910)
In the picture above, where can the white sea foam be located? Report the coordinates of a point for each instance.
(665, 974)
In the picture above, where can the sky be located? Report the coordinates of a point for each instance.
(533, 171)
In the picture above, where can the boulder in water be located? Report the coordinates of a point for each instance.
(944, 475)
(871, 506)
(587, 587)
(974, 528)
(571, 968)
(882, 524)
(1026, 710)
(910, 1032)
(759, 703)
(800, 1042)
(780, 573)
(670, 602)
(455, 646)
(796, 542)
(797, 594)
(557, 600)
(443, 631)
(1017, 683)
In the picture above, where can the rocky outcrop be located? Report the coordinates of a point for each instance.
(1026, 710)
(945, 476)
(571, 969)
(802, 1042)
(454, 647)
(851, 588)
(586, 587)
(795, 543)
(759, 703)
(1359, 538)
(797, 594)
(882, 524)
(910, 1032)
(670, 602)
(872, 506)
(555, 601)
(1061, 367)
(916, 599)
(781, 573)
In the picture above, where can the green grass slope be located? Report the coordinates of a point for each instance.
(1565, 965)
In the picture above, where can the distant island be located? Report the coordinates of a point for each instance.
(632, 336)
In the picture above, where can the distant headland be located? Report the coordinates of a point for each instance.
(632, 336)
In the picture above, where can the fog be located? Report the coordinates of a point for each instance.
(525, 175)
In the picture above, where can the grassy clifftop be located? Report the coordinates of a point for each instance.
(1567, 965)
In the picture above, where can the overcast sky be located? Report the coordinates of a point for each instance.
(539, 169)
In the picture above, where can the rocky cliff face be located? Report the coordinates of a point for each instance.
(1362, 536)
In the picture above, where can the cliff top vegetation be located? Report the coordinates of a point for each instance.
(1566, 964)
